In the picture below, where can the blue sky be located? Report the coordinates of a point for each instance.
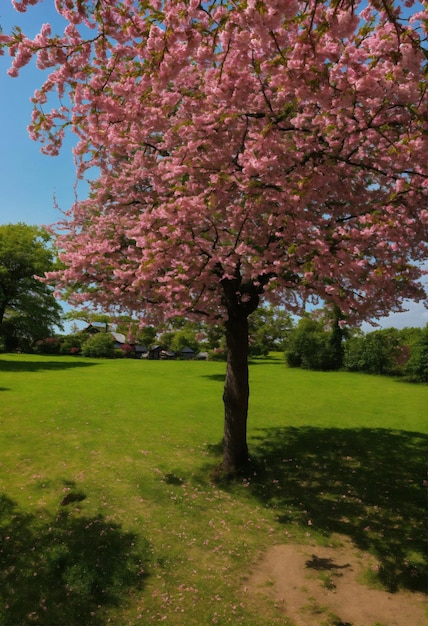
(29, 180)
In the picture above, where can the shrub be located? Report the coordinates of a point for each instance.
(100, 345)
(310, 346)
(184, 338)
(127, 350)
(218, 354)
(378, 352)
(72, 344)
(417, 366)
(50, 345)
(257, 347)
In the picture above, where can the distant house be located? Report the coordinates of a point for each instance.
(99, 327)
(187, 353)
(155, 353)
(95, 327)
(141, 352)
(168, 354)
(119, 340)
(159, 352)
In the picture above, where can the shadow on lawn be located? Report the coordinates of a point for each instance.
(37, 366)
(218, 378)
(65, 570)
(369, 484)
(268, 360)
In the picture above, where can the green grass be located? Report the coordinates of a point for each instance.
(148, 537)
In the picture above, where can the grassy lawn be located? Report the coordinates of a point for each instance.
(108, 514)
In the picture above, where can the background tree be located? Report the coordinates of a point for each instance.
(417, 365)
(317, 342)
(180, 333)
(214, 335)
(89, 317)
(309, 346)
(28, 309)
(100, 345)
(246, 151)
(130, 327)
(73, 344)
(268, 330)
(338, 333)
(389, 351)
(377, 352)
(184, 338)
(48, 345)
(146, 336)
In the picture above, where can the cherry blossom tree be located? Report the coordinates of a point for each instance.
(245, 150)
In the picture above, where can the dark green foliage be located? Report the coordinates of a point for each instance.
(214, 336)
(64, 571)
(49, 345)
(218, 354)
(391, 352)
(166, 339)
(336, 338)
(89, 317)
(22, 330)
(145, 336)
(130, 327)
(375, 353)
(311, 346)
(28, 309)
(268, 330)
(319, 343)
(178, 334)
(184, 338)
(100, 345)
(127, 351)
(72, 344)
(417, 366)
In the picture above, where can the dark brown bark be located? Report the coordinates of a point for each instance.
(236, 393)
(240, 297)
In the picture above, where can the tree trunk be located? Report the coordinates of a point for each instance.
(236, 392)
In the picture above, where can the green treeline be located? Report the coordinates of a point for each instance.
(317, 345)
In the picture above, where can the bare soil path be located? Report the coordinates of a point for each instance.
(316, 585)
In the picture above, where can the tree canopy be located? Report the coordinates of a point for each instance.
(245, 150)
(28, 309)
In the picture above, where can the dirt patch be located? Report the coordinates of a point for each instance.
(316, 585)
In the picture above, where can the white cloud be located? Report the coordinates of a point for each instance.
(415, 316)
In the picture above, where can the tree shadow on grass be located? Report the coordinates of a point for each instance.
(65, 571)
(267, 360)
(218, 378)
(37, 366)
(368, 484)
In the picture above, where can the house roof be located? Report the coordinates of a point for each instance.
(140, 348)
(119, 337)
